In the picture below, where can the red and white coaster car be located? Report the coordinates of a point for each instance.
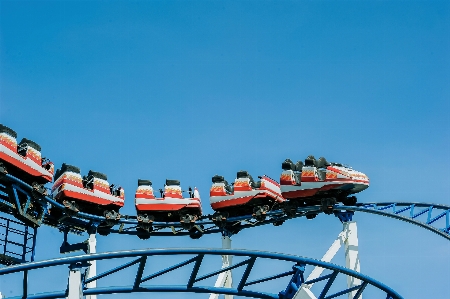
(24, 160)
(317, 179)
(170, 206)
(246, 196)
(90, 194)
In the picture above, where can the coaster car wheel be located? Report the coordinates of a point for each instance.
(289, 208)
(311, 215)
(278, 223)
(145, 222)
(259, 212)
(104, 230)
(71, 207)
(38, 190)
(220, 219)
(142, 233)
(3, 168)
(196, 232)
(112, 217)
(187, 221)
(233, 228)
(328, 205)
(349, 201)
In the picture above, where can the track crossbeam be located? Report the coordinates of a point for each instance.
(141, 257)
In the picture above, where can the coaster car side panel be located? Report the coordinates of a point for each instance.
(28, 166)
(93, 195)
(244, 193)
(172, 206)
(172, 201)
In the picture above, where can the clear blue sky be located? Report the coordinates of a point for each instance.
(189, 89)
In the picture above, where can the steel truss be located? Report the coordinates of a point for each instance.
(430, 214)
(78, 284)
(17, 242)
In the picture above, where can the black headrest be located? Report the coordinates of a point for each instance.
(172, 182)
(322, 162)
(30, 143)
(299, 166)
(218, 179)
(98, 175)
(288, 165)
(9, 131)
(66, 167)
(144, 182)
(242, 174)
(310, 161)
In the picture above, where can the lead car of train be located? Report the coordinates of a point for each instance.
(319, 182)
(314, 182)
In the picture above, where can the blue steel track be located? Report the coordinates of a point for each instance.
(409, 212)
(433, 217)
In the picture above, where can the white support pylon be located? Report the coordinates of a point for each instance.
(351, 254)
(74, 289)
(92, 269)
(349, 238)
(225, 279)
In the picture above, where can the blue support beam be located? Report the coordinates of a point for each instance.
(344, 216)
(295, 283)
(137, 280)
(328, 285)
(192, 284)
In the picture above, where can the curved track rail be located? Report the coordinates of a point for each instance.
(196, 282)
(80, 222)
(432, 214)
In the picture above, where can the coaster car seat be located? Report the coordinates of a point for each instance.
(172, 182)
(243, 174)
(310, 161)
(9, 131)
(221, 179)
(97, 175)
(288, 165)
(218, 179)
(24, 143)
(144, 182)
(64, 168)
(322, 162)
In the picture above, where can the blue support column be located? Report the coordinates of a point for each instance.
(294, 284)
(344, 216)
